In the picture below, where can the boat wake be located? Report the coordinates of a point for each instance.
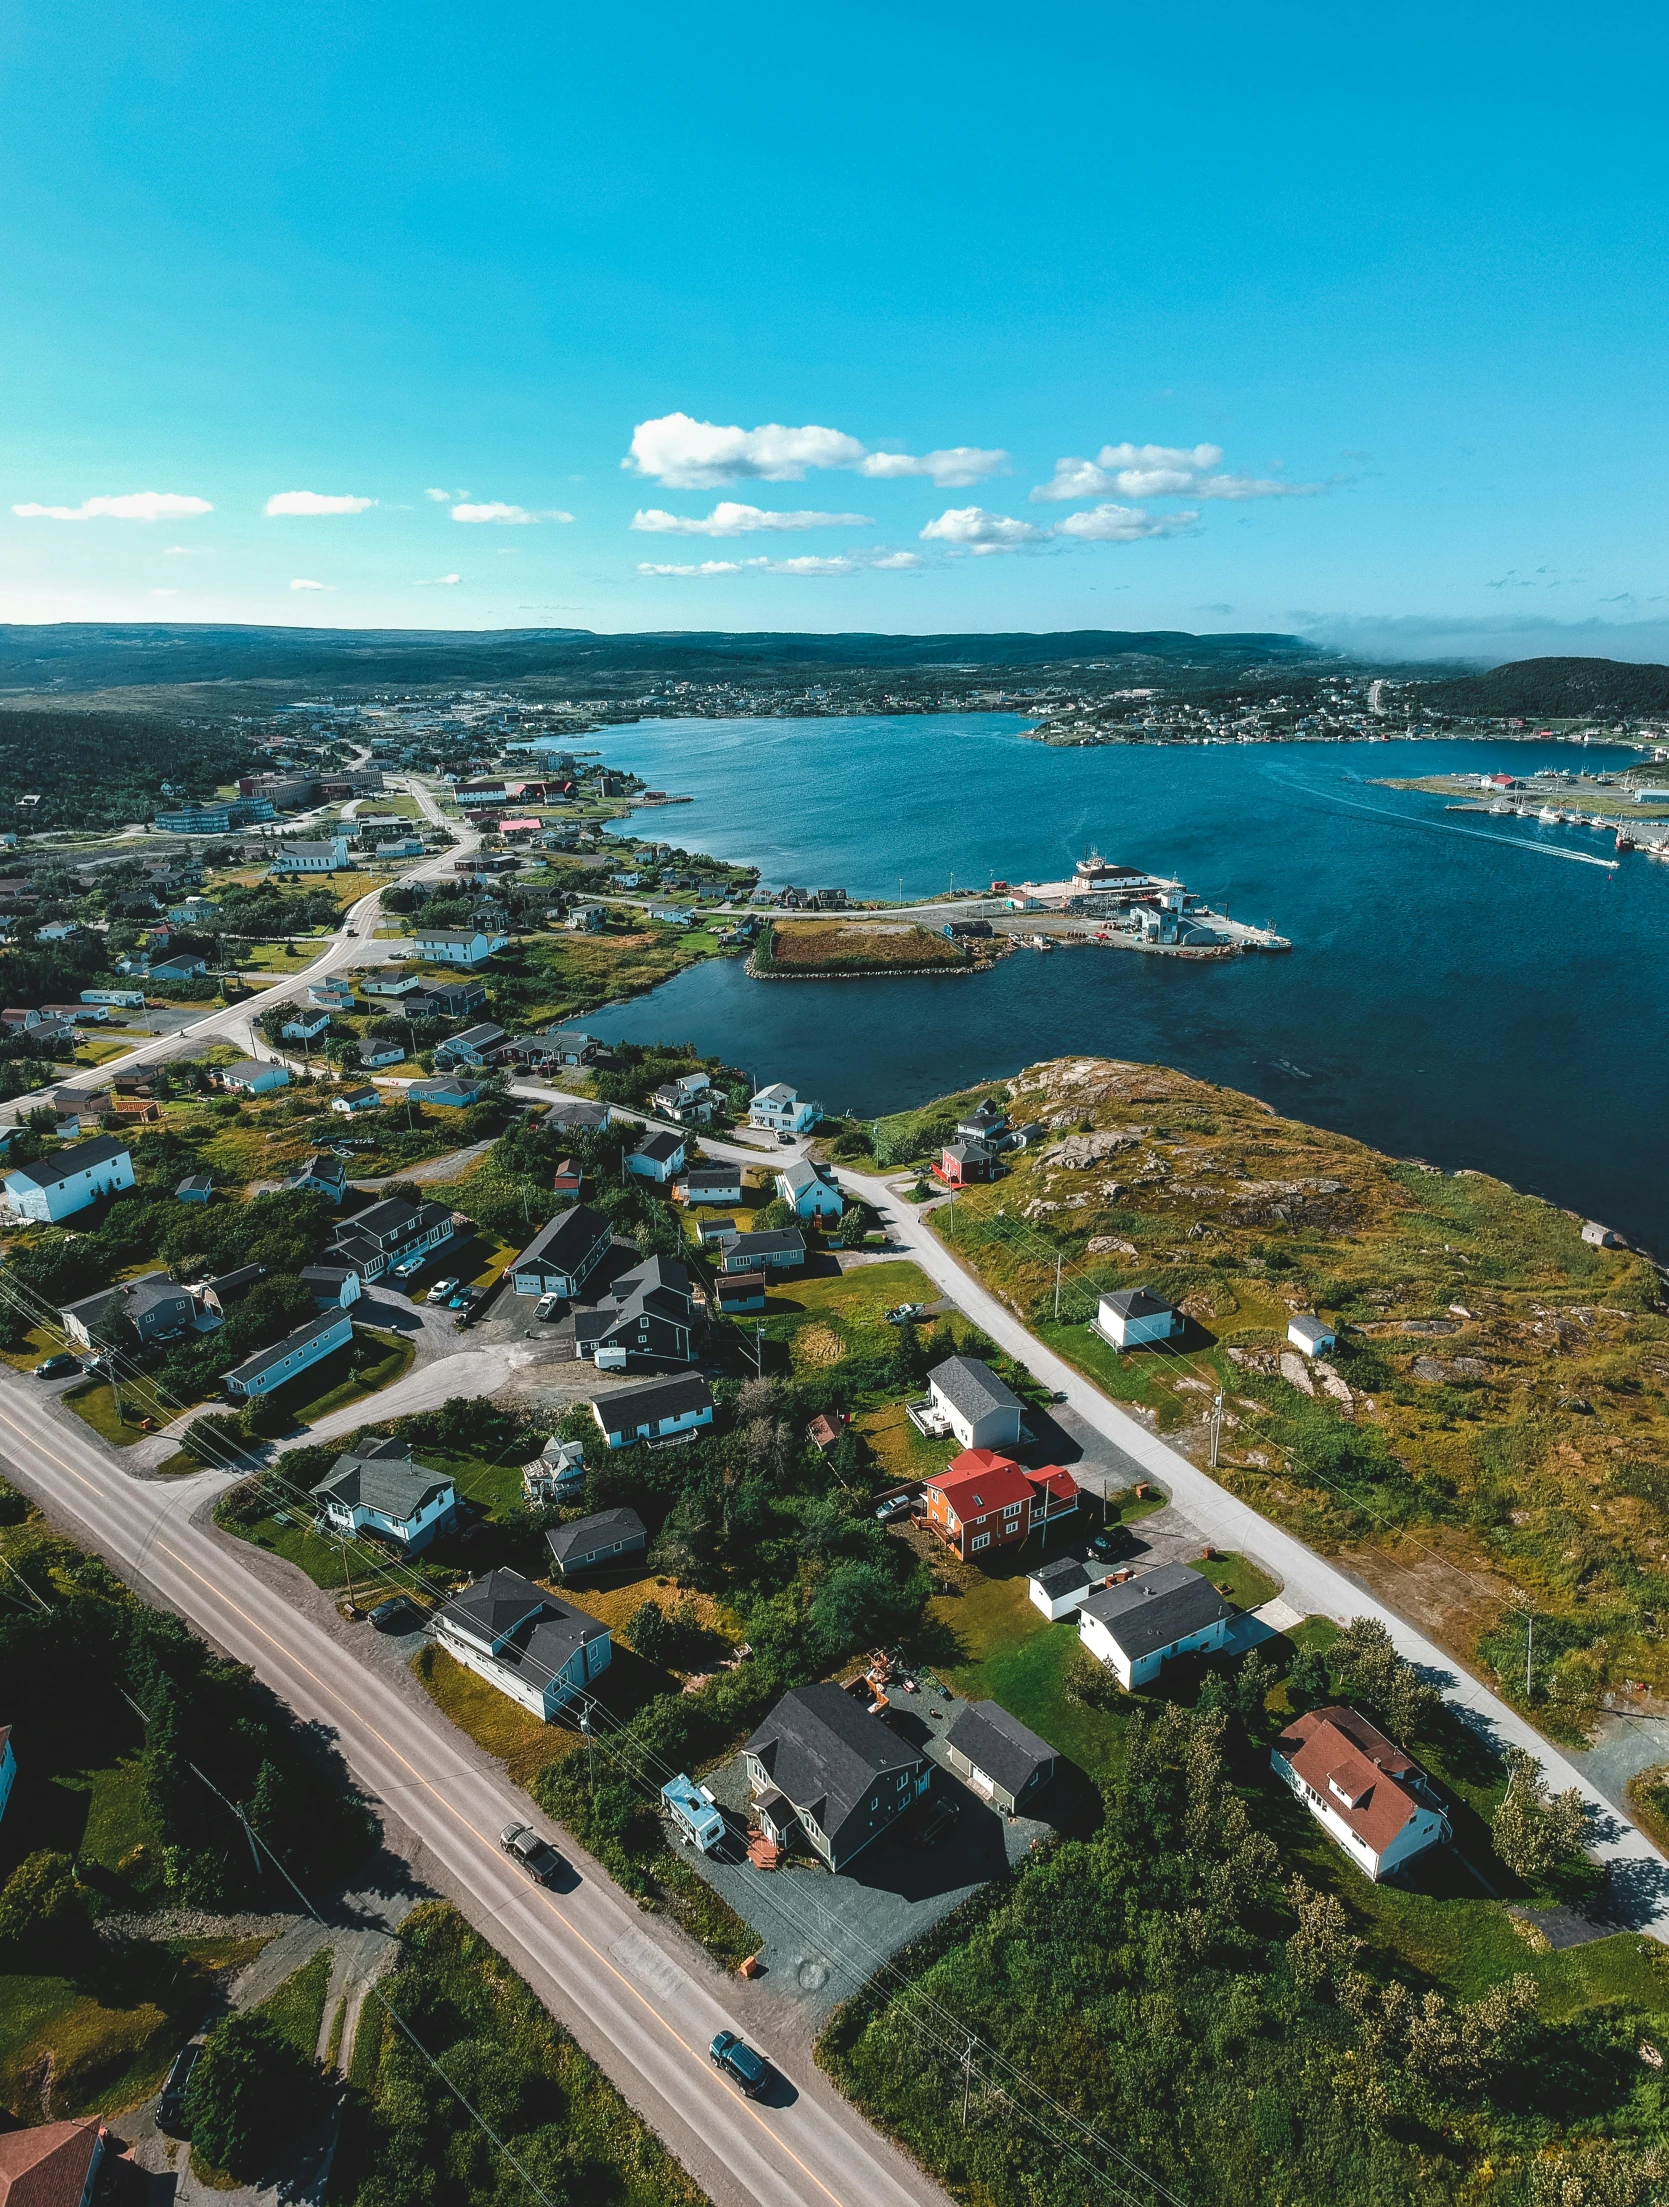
(1446, 827)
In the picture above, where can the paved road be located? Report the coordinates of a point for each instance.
(645, 2007)
(235, 1023)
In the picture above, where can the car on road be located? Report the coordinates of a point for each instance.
(57, 1367)
(785, 1141)
(443, 1288)
(1059, 1395)
(537, 1856)
(732, 2057)
(170, 2106)
(547, 1307)
(902, 1313)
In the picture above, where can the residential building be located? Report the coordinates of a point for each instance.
(469, 946)
(782, 1249)
(658, 1410)
(1135, 1316)
(374, 1055)
(970, 1400)
(523, 1641)
(710, 1184)
(821, 1761)
(981, 1501)
(1060, 1587)
(999, 1757)
(186, 967)
(986, 1123)
(571, 1045)
(456, 1093)
(322, 1174)
(332, 1286)
(577, 1115)
(446, 1000)
(557, 1473)
(8, 1766)
(321, 857)
(390, 1233)
(715, 1229)
(648, 1313)
(196, 1187)
(404, 987)
(1311, 1334)
(1363, 1791)
(332, 996)
(963, 1163)
(478, 1045)
(779, 1109)
(737, 1293)
(255, 1076)
(809, 1190)
(56, 1187)
(690, 1100)
(398, 846)
(305, 1026)
(566, 1177)
(129, 999)
(658, 1157)
(53, 2164)
(1055, 1494)
(153, 1308)
(285, 1360)
(587, 919)
(379, 1489)
(584, 1543)
(564, 1253)
(1135, 1627)
(361, 1097)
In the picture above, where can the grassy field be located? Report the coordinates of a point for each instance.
(297, 2008)
(94, 1402)
(856, 946)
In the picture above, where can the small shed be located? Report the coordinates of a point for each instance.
(1135, 1316)
(1061, 1587)
(998, 1757)
(1311, 1334)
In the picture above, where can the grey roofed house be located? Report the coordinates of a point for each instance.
(322, 1174)
(564, 1253)
(625, 1411)
(985, 1742)
(1138, 1302)
(524, 1627)
(700, 1178)
(847, 1775)
(153, 1306)
(972, 1387)
(574, 1112)
(587, 1541)
(660, 1146)
(326, 1284)
(782, 1245)
(300, 1348)
(473, 1045)
(647, 1312)
(196, 1187)
(451, 1094)
(1157, 1608)
(382, 1477)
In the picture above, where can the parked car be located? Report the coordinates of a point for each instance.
(463, 1299)
(934, 1823)
(894, 1506)
(57, 1367)
(537, 1856)
(170, 2106)
(443, 1288)
(786, 1141)
(396, 1614)
(547, 1307)
(1059, 1395)
(902, 1313)
(1115, 1540)
(407, 1269)
(735, 2059)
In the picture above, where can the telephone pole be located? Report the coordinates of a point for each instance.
(967, 2079)
(1058, 1256)
(1216, 1427)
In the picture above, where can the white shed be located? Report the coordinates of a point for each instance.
(1311, 1334)
(1134, 1316)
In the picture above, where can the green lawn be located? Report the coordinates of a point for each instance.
(343, 1385)
(297, 2008)
(95, 1403)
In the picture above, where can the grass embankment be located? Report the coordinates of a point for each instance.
(1507, 1415)
(840, 946)
(297, 2009)
(555, 976)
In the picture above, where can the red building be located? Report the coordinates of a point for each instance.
(1055, 1493)
(981, 1501)
(962, 1163)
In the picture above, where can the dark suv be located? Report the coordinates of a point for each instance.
(170, 2106)
(735, 2059)
(537, 1856)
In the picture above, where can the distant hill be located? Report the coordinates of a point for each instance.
(99, 655)
(1555, 689)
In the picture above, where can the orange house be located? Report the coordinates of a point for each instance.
(981, 1501)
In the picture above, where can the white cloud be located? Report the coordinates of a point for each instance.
(314, 502)
(840, 563)
(1120, 525)
(729, 519)
(445, 497)
(972, 529)
(301, 583)
(138, 505)
(686, 454)
(515, 517)
(1162, 471)
(437, 582)
(952, 469)
(164, 593)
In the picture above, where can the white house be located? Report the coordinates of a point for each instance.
(8, 1766)
(304, 1026)
(1133, 1628)
(467, 946)
(523, 1641)
(1135, 1316)
(809, 1191)
(379, 1489)
(362, 1097)
(1362, 1790)
(779, 1109)
(1061, 1587)
(564, 1253)
(587, 919)
(974, 1403)
(308, 1345)
(58, 1186)
(375, 1054)
(324, 857)
(255, 1076)
(557, 1473)
(658, 1157)
(656, 1411)
(1311, 1334)
(710, 1184)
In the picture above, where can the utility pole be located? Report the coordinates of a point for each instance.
(967, 2079)
(590, 1753)
(1216, 1427)
(1529, 1648)
(1058, 1256)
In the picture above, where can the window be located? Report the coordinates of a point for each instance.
(980, 1540)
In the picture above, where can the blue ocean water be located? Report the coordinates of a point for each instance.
(1458, 990)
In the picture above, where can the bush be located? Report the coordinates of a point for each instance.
(252, 2096)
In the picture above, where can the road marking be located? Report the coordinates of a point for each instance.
(420, 1781)
(645, 1959)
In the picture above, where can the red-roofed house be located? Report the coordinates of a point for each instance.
(1365, 1792)
(1055, 1493)
(982, 1500)
(52, 2165)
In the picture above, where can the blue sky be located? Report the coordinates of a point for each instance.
(1385, 297)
